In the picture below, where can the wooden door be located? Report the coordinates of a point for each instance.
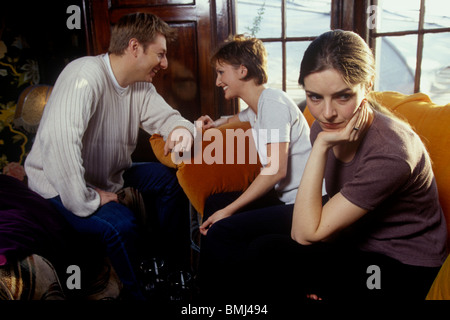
(189, 83)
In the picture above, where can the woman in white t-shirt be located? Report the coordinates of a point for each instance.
(281, 135)
(279, 129)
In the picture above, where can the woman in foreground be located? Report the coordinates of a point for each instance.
(383, 219)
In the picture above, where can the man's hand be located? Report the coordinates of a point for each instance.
(106, 196)
(206, 122)
(179, 140)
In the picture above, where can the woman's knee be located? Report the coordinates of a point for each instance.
(221, 230)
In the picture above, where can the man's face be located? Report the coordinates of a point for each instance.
(152, 59)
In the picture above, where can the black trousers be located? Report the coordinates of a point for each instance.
(224, 250)
(276, 268)
(250, 257)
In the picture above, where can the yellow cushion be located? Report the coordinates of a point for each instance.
(429, 120)
(308, 116)
(440, 289)
(204, 175)
(157, 142)
(431, 123)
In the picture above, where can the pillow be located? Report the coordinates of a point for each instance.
(212, 169)
(440, 289)
(157, 142)
(308, 116)
(29, 224)
(430, 121)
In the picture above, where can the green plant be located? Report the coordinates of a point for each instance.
(257, 20)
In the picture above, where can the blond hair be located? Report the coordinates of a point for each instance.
(142, 26)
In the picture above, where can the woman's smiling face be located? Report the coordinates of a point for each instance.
(330, 100)
(228, 78)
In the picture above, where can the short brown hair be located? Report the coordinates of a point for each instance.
(142, 26)
(247, 51)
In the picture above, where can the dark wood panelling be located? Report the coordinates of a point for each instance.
(179, 83)
(189, 82)
(350, 15)
(149, 3)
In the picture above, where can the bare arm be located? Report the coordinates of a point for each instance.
(264, 182)
(207, 122)
(313, 222)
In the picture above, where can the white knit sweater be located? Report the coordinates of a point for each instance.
(88, 132)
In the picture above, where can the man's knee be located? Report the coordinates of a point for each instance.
(118, 222)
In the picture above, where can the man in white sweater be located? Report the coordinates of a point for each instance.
(82, 153)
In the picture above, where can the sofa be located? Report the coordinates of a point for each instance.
(431, 122)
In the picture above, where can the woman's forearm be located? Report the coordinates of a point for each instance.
(308, 204)
(257, 189)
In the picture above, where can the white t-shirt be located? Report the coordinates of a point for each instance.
(280, 120)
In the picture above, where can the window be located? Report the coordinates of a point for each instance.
(286, 27)
(411, 41)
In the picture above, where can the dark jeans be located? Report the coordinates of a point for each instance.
(115, 225)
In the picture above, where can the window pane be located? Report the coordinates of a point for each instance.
(399, 15)
(396, 63)
(435, 77)
(261, 19)
(294, 56)
(435, 15)
(307, 17)
(274, 64)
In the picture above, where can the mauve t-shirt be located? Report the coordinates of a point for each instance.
(391, 176)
